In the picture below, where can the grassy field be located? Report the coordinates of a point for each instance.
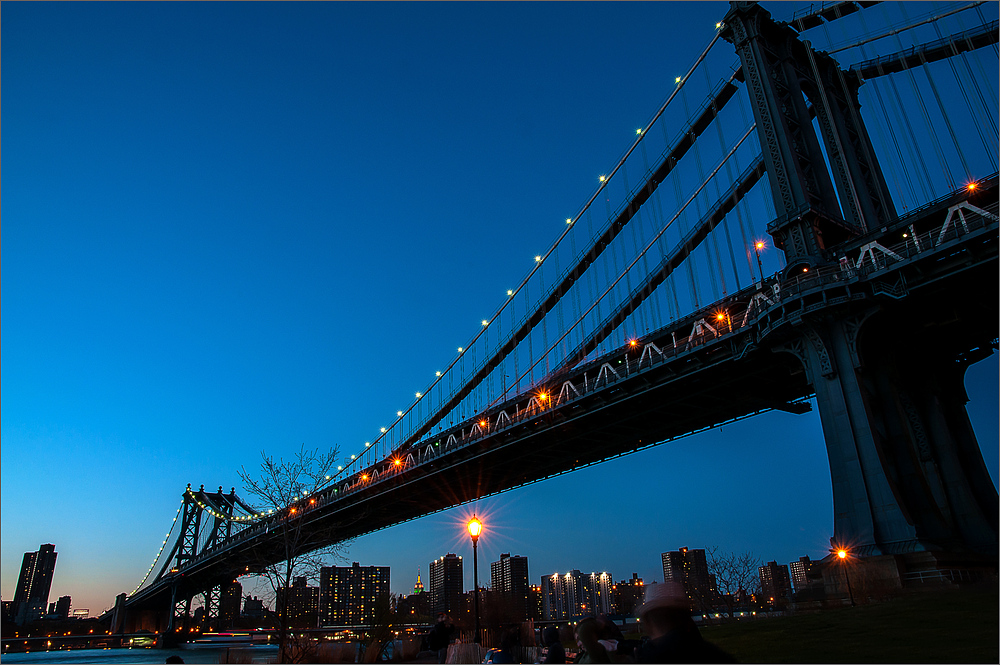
(953, 626)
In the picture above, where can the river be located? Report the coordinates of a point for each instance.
(259, 654)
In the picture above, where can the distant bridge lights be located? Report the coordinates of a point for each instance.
(419, 395)
(485, 322)
(602, 178)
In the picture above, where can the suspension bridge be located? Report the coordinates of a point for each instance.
(870, 162)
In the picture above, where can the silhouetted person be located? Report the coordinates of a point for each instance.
(440, 636)
(510, 645)
(587, 637)
(555, 653)
(674, 637)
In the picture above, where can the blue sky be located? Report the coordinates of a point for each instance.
(241, 227)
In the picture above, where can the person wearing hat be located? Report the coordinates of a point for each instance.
(674, 637)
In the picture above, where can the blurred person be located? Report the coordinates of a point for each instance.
(674, 637)
(555, 653)
(441, 636)
(592, 651)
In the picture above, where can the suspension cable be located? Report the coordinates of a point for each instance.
(896, 31)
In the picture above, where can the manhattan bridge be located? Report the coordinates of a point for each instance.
(860, 143)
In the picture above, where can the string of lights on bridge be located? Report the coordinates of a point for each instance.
(539, 259)
(162, 546)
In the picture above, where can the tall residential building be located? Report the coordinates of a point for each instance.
(799, 572)
(229, 605)
(447, 584)
(690, 568)
(63, 606)
(575, 594)
(348, 595)
(536, 611)
(775, 582)
(509, 576)
(628, 595)
(31, 596)
(301, 604)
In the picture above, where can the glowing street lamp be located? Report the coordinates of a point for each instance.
(475, 529)
(757, 247)
(843, 554)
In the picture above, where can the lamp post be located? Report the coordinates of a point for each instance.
(842, 555)
(475, 528)
(757, 246)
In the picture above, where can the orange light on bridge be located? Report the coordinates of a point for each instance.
(842, 554)
(293, 511)
(633, 343)
(312, 501)
(759, 244)
(543, 396)
(721, 316)
(971, 187)
(364, 476)
(397, 461)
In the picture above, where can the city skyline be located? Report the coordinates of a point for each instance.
(240, 228)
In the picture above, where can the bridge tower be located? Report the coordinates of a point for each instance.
(908, 475)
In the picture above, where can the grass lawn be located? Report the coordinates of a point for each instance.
(950, 626)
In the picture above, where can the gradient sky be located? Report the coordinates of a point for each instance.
(233, 227)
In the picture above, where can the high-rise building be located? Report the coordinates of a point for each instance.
(62, 606)
(775, 582)
(349, 594)
(31, 596)
(509, 576)
(799, 572)
(301, 604)
(229, 604)
(628, 595)
(419, 586)
(575, 594)
(536, 611)
(447, 584)
(253, 607)
(690, 568)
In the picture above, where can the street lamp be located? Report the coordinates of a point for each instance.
(842, 555)
(757, 246)
(475, 528)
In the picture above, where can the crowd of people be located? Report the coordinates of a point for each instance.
(670, 635)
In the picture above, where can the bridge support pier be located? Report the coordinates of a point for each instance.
(908, 475)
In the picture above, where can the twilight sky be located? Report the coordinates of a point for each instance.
(235, 227)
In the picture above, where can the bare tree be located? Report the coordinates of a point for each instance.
(735, 574)
(291, 490)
